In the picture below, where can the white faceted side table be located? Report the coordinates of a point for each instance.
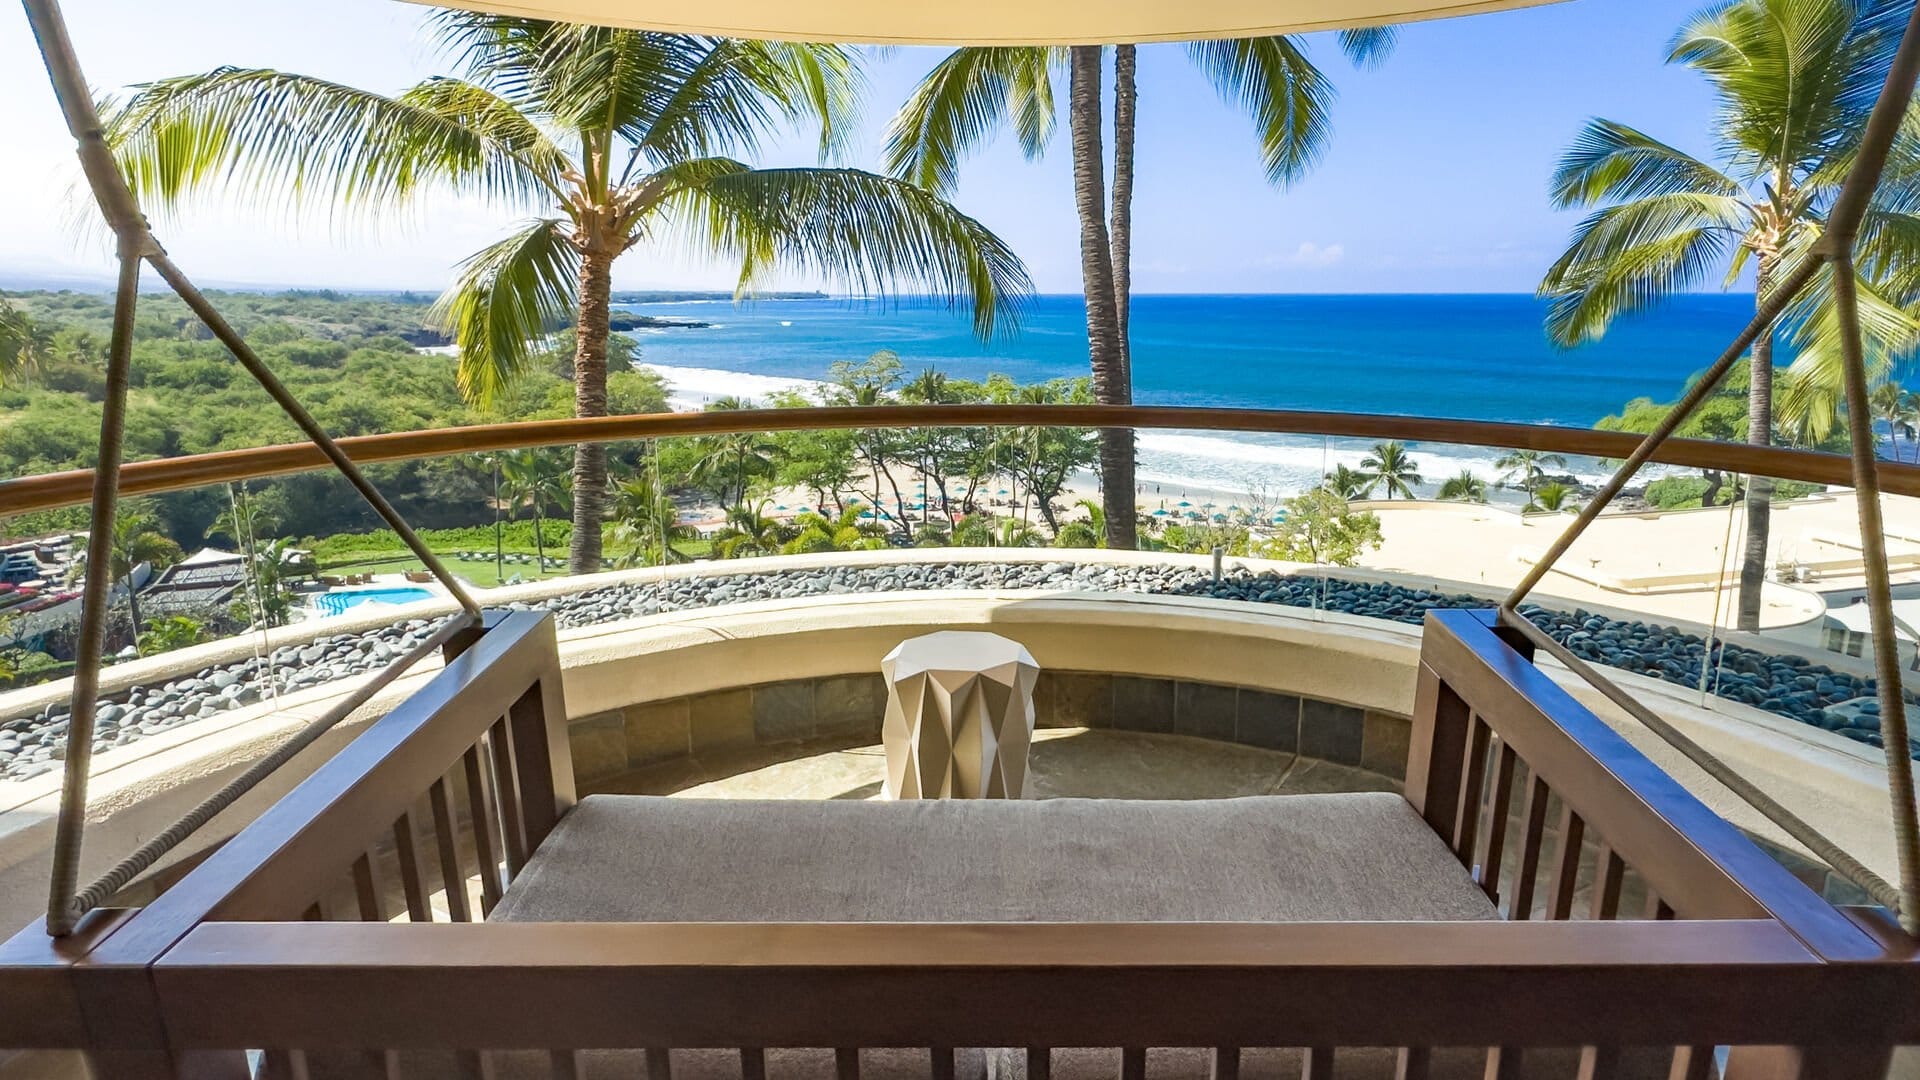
(959, 716)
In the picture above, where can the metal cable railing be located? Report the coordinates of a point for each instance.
(170, 837)
(137, 245)
(1835, 254)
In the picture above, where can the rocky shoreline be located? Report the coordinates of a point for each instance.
(1790, 686)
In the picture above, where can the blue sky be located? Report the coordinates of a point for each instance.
(1435, 180)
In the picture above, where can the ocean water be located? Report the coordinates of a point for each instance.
(1482, 357)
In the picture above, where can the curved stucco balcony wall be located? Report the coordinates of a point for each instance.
(1366, 666)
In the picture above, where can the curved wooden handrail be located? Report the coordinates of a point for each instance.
(171, 474)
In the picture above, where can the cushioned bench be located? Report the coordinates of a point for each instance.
(1279, 858)
(1294, 858)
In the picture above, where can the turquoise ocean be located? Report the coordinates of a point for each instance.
(1482, 357)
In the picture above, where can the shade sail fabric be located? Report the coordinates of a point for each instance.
(992, 22)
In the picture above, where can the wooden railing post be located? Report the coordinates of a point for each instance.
(542, 756)
(1437, 752)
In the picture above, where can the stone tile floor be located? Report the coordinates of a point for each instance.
(1065, 762)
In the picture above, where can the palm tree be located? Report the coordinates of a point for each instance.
(1795, 80)
(1525, 469)
(749, 532)
(976, 89)
(843, 532)
(615, 136)
(274, 566)
(1349, 484)
(243, 520)
(1389, 464)
(1901, 410)
(533, 479)
(1016, 533)
(1552, 497)
(23, 344)
(1464, 487)
(730, 463)
(1089, 532)
(137, 539)
(647, 522)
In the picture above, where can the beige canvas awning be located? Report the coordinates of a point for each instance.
(992, 22)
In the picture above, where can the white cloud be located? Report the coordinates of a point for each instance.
(1307, 254)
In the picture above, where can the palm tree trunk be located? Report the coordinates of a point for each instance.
(590, 399)
(1753, 558)
(539, 545)
(1096, 270)
(1126, 94)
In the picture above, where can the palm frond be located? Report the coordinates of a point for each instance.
(1887, 333)
(873, 233)
(505, 300)
(262, 134)
(1613, 161)
(955, 109)
(23, 343)
(1628, 257)
(1795, 77)
(1279, 87)
(493, 119)
(1368, 46)
(1889, 253)
(502, 52)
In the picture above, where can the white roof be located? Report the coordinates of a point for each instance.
(991, 22)
(1906, 615)
(207, 556)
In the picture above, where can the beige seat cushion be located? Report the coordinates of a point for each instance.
(1299, 858)
(1289, 858)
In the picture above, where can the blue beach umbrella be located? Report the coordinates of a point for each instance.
(1159, 513)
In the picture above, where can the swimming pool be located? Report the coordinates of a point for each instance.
(333, 603)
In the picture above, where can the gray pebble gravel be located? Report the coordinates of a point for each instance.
(1791, 686)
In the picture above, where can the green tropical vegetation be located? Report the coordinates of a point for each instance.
(1553, 497)
(1527, 469)
(1795, 80)
(1722, 417)
(171, 632)
(353, 360)
(135, 540)
(1464, 486)
(1321, 528)
(974, 91)
(1389, 467)
(1348, 483)
(606, 135)
(647, 523)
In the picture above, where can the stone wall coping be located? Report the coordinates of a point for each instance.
(158, 669)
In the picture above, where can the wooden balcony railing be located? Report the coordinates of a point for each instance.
(74, 487)
(1641, 932)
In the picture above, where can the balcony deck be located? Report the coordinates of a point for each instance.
(1661, 927)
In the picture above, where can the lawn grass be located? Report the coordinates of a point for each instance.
(479, 571)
